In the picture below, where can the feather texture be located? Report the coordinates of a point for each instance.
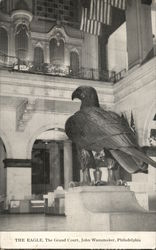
(93, 128)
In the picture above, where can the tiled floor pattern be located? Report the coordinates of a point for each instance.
(32, 222)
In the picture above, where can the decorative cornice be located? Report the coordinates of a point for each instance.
(25, 113)
(21, 14)
(50, 87)
(37, 43)
(17, 163)
(53, 33)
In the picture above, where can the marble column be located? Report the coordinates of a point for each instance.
(139, 32)
(68, 164)
(46, 52)
(66, 55)
(55, 174)
(30, 49)
(90, 56)
(18, 179)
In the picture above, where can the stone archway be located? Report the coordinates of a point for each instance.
(38, 132)
(51, 161)
(6, 143)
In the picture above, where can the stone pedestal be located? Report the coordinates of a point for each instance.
(106, 208)
(68, 168)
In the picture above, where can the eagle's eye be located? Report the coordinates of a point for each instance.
(82, 95)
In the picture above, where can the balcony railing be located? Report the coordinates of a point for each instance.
(16, 64)
(8, 61)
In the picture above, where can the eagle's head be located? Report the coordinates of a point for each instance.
(87, 95)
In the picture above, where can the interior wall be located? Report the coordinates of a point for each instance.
(117, 50)
(90, 51)
(136, 94)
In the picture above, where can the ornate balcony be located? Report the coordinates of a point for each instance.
(7, 61)
(59, 70)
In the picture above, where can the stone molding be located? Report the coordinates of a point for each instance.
(136, 78)
(22, 15)
(17, 163)
(24, 114)
(52, 34)
(50, 87)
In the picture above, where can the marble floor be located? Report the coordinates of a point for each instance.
(32, 222)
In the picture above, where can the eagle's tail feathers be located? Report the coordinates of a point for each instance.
(128, 162)
(134, 152)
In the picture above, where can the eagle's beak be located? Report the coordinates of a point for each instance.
(77, 94)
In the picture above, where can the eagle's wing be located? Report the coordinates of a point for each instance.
(94, 129)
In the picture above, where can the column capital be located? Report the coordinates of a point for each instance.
(68, 142)
(17, 163)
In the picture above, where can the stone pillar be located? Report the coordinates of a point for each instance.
(66, 55)
(139, 32)
(151, 152)
(68, 164)
(18, 178)
(90, 56)
(103, 54)
(46, 53)
(152, 186)
(11, 41)
(30, 49)
(55, 175)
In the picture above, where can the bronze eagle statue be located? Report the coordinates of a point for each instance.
(93, 129)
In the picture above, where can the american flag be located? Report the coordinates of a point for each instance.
(121, 4)
(89, 25)
(100, 10)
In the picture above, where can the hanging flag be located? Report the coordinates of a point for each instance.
(132, 124)
(121, 4)
(88, 25)
(100, 10)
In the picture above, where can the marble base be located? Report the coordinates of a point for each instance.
(106, 208)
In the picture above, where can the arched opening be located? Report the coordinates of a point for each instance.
(54, 166)
(3, 44)
(74, 63)
(56, 51)
(38, 58)
(21, 42)
(2, 175)
(48, 162)
(47, 166)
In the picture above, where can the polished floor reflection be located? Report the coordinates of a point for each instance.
(32, 222)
